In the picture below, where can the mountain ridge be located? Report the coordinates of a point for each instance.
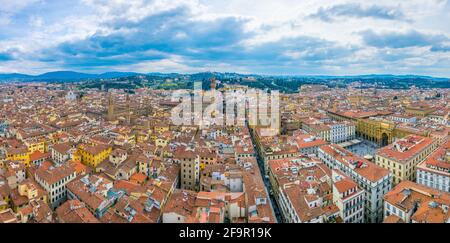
(72, 75)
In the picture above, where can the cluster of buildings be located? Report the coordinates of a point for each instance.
(116, 157)
(331, 131)
(91, 156)
(406, 131)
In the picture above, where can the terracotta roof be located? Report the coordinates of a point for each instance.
(74, 211)
(367, 169)
(408, 195)
(37, 155)
(54, 174)
(62, 148)
(406, 148)
(393, 219)
(438, 162)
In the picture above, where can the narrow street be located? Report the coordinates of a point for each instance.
(273, 203)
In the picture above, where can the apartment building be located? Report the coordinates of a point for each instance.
(54, 180)
(373, 179)
(93, 192)
(18, 154)
(434, 172)
(409, 202)
(303, 191)
(34, 144)
(308, 144)
(15, 173)
(402, 157)
(3, 128)
(61, 152)
(405, 118)
(94, 155)
(348, 197)
(331, 131)
(74, 211)
(5, 197)
(190, 170)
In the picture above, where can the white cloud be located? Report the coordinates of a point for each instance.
(5, 19)
(36, 21)
(9, 8)
(15, 6)
(269, 21)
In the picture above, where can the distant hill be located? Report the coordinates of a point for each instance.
(374, 76)
(13, 76)
(117, 75)
(64, 76)
(287, 83)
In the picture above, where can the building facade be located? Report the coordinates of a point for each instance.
(190, 171)
(409, 202)
(348, 197)
(434, 172)
(54, 181)
(3, 128)
(375, 180)
(403, 156)
(94, 155)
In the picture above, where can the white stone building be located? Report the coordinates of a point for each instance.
(54, 181)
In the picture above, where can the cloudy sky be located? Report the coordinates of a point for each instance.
(332, 37)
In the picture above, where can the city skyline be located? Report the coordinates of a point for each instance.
(213, 119)
(268, 38)
(139, 150)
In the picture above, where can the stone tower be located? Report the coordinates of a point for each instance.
(110, 107)
(213, 83)
(128, 109)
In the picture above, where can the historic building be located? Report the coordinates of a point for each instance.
(403, 156)
(127, 110)
(379, 131)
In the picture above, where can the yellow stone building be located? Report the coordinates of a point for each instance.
(142, 137)
(161, 142)
(376, 130)
(403, 156)
(160, 128)
(384, 132)
(34, 145)
(18, 154)
(421, 111)
(31, 191)
(93, 155)
(4, 197)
